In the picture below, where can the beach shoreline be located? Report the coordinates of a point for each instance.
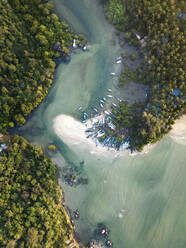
(72, 132)
(178, 132)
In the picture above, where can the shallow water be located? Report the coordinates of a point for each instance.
(141, 198)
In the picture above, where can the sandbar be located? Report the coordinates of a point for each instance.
(72, 132)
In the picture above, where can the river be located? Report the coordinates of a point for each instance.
(141, 198)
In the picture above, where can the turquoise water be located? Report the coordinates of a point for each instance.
(141, 198)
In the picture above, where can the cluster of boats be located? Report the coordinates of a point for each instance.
(74, 45)
(101, 240)
(99, 132)
(99, 129)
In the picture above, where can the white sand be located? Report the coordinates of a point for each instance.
(178, 132)
(72, 132)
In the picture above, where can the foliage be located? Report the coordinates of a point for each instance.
(132, 56)
(27, 58)
(31, 211)
(114, 10)
(162, 41)
(52, 147)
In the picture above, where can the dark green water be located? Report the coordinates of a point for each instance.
(141, 198)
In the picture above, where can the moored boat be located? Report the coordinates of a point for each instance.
(118, 61)
(80, 108)
(106, 112)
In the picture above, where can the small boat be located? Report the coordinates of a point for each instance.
(106, 112)
(74, 43)
(101, 105)
(95, 110)
(80, 108)
(114, 104)
(90, 135)
(110, 90)
(118, 58)
(89, 130)
(101, 101)
(108, 244)
(97, 142)
(110, 96)
(85, 115)
(76, 214)
(84, 48)
(118, 61)
(100, 135)
(112, 73)
(117, 98)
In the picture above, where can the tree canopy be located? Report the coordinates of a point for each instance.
(31, 210)
(29, 31)
(160, 27)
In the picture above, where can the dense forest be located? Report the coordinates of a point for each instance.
(29, 32)
(157, 28)
(31, 210)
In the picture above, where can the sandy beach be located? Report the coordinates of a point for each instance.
(178, 132)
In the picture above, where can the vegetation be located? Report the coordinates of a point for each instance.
(31, 212)
(114, 11)
(52, 147)
(161, 28)
(27, 59)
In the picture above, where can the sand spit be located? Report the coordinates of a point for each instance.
(72, 132)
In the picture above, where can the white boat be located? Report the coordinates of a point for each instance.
(106, 112)
(114, 104)
(110, 90)
(102, 101)
(95, 110)
(84, 48)
(110, 96)
(118, 61)
(101, 105)
(74, 43)
(113, 73)
(80, 108)
(100, 135)
(117, 98)
(118, 58)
